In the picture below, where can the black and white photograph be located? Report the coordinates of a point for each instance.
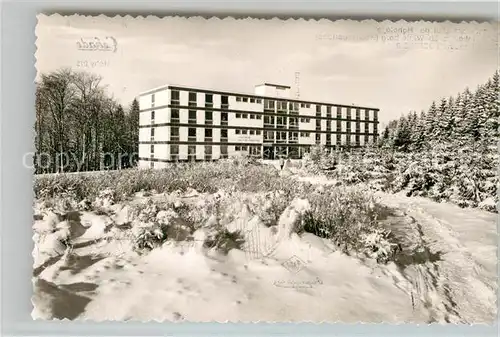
(191, 169)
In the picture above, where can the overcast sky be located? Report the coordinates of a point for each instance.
(235, 55)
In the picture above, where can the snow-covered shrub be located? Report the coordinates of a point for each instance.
(377, 245)
(224, 240)
(273, 205)
(343, 215)
(105, 198)
(150, 236)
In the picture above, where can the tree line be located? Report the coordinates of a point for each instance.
(469, 118)
(80, 127)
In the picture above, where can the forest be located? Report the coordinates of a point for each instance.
(468, 119)
(80, 126)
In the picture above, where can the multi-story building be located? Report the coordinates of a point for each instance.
(183, 123)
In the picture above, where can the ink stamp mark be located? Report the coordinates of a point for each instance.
(106, 44)
(294, 264)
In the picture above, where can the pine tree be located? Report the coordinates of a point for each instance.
(430, 124)
(419, 138)
(442, 121)
(490, 124)
(462, 115)
(476, 115)
(133, 132)
(402, 134)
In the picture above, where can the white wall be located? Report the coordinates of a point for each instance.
(144, 151)
(271, 91)
(162, 133)
(161, 115)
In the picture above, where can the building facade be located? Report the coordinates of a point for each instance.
(187, 124)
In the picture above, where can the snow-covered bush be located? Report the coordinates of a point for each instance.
(345, 216)
(150, 236)
(378, 246)
(224, 240)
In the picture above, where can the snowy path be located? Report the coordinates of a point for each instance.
(465, 278)
(461, 286)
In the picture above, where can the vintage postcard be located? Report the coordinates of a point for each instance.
(255, 170)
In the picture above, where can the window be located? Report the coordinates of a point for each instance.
(208, 151)
(208, 133)
(174, 133)
(252, 100)
(302, 105)
(152, 164)
(244, 116)
(223, 150)
(294, 106)
(223, 133)
(269, 120)
(237, 148)
(191, 152)
(280, 137)
(281, 121)
(282, 106)
(252, 116)
(208, 116)
(175, 115)
(308, 105)
(209, 98)
(245, 99)
(223, 118)
(244, 148)
(174, 149)
(237, 131)
(152, 149)
(238, 99)
(258, 116)
(152, 133)
(175, 96)
(304, 134)
(318, 108)
(243, 132)
(292, 121)
(152, 116)
(257, 132)
(268, 104)
(259, 100)
(268, 135)
(192, 116)
(252, 132)
(224, 101)
(192, 97)
(192, 133)
(153, 99)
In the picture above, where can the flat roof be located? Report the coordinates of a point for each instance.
(232, 93)
(275, 85)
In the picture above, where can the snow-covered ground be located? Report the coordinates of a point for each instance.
(278, 276)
